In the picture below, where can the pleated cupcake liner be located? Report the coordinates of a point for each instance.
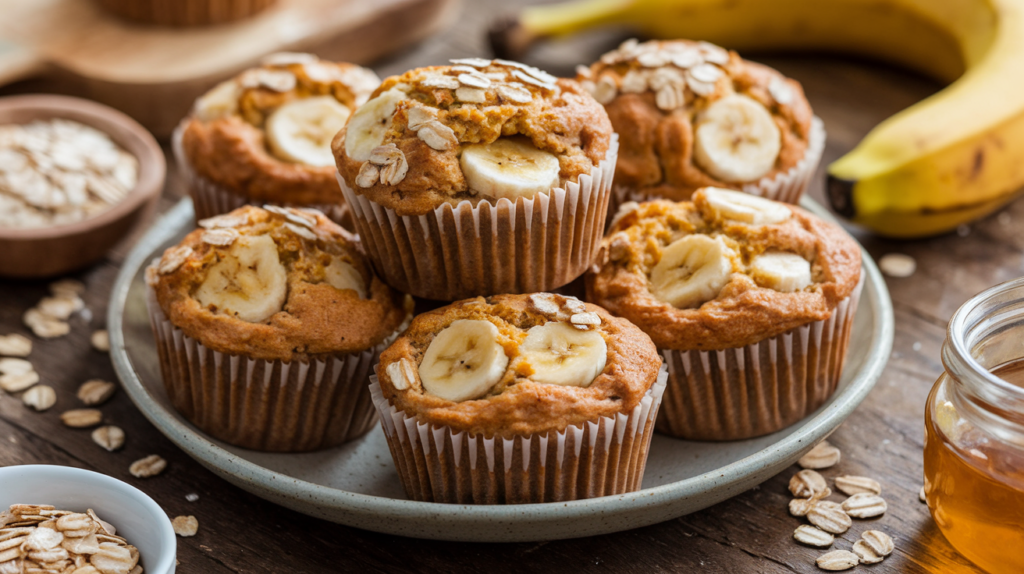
(210, 199)
(602, 457)
(265, 405)
(185, 12)
(526, 246)
(750, 391)
(786, 187)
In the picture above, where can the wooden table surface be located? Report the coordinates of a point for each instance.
(750, 533)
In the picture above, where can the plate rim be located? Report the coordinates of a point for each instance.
(360, 505)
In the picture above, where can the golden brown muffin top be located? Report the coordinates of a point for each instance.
(275, 283)
(603, 365)
(252, 135)
(723, 271)
(658, 94)
(406, 148)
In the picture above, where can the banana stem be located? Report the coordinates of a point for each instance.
(568, 17)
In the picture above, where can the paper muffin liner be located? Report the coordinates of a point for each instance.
(210, 199)
(602, 457)
(744, 392)
(185, 12)
(786, 187)
(532, 245)
(265, 405)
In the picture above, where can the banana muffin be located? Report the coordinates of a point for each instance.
(750, 301)
(449, 169)
(265, 135)
(267, 324)
(692, 114)
(527, 398)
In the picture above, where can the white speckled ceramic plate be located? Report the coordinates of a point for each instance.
(356, 484)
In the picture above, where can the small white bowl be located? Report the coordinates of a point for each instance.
(136, 516)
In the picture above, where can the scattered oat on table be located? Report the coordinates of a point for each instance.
(807, 483)
(830, 517)
(100, 340)
(17, 382)
(812, 536)
(109, 437)
(185, 526)
(152, 465)
(837, 560)
(15, 345)
(40, 397)
(897, 265)
(823, 455)
(865, 505)
(96, 392)
(81, 418)
(59, 171)
(192, 497)
(850, 485)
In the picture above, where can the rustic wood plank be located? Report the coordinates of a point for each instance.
(750, 533)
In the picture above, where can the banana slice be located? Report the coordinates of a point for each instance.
(781, 271)
(249, 282)
(301, 130)
(736, 139)
(746, 208)
(692, 270)
(219, 102)
(369, 124)
(464, 361)
(342, 275)
(561, 354)
(509, 167)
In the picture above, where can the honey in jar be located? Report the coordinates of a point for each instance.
(974, 425)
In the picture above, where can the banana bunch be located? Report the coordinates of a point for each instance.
(947, 160)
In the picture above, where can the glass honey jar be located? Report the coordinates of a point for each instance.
(974, 431)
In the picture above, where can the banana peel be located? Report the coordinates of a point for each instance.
(946, 161)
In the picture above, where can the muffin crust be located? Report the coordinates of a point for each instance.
(653, 102)
(228, 146)
(517, 405)
(555, 115)
(743, 311)
(316, 320)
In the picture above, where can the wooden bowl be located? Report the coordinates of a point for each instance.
(53, 250)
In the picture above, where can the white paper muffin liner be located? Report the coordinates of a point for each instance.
(532, 245)
(750, 391)
(265, 405)
(599, 458)
(786, 187)
(210, 199)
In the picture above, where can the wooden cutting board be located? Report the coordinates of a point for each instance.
(154, 73)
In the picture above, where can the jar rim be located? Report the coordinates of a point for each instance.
(956, 351)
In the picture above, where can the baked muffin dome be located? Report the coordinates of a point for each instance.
(691, 114)
(265, 134)
(275, 284)
(517, 365)
(723, 271)
(478, 129)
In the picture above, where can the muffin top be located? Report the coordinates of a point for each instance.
(725, 270)
(275, 283)
(476, 130)
(517, 364)
(692, 114)
(266, 133)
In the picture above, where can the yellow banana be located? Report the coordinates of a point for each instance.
(947, 160)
